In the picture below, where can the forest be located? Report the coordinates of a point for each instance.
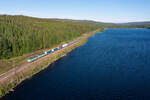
(22, 34)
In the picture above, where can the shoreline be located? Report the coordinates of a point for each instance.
(27, 71)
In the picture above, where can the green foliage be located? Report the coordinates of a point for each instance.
(21, 34)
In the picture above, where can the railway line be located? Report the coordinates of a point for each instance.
(7, 75)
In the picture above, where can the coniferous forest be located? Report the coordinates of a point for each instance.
(22, 34)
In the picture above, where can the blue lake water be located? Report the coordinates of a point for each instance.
(112, 65)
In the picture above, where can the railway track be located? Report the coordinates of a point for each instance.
(7, 75)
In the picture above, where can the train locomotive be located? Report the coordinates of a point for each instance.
(46, 53)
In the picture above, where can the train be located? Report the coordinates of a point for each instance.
(47, 53)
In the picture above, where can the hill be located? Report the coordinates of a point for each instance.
(145, 24)
(23, 34)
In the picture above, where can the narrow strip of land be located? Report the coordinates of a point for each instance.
(14, 76)
(18, 69)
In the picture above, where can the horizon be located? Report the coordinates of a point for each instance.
(114, 11)
(76, 19)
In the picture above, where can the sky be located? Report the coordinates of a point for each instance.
(118, 11)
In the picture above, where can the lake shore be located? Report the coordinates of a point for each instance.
(13, 78)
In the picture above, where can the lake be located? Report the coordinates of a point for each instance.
(112, 65)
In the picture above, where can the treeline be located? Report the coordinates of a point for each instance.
(22, 34)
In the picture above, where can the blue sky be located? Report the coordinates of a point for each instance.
(98, 10)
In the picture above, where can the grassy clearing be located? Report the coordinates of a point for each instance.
(7, 64)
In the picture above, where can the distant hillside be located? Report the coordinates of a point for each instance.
(137, 23)
(145, 24)
(87, 22)
(22, 34)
